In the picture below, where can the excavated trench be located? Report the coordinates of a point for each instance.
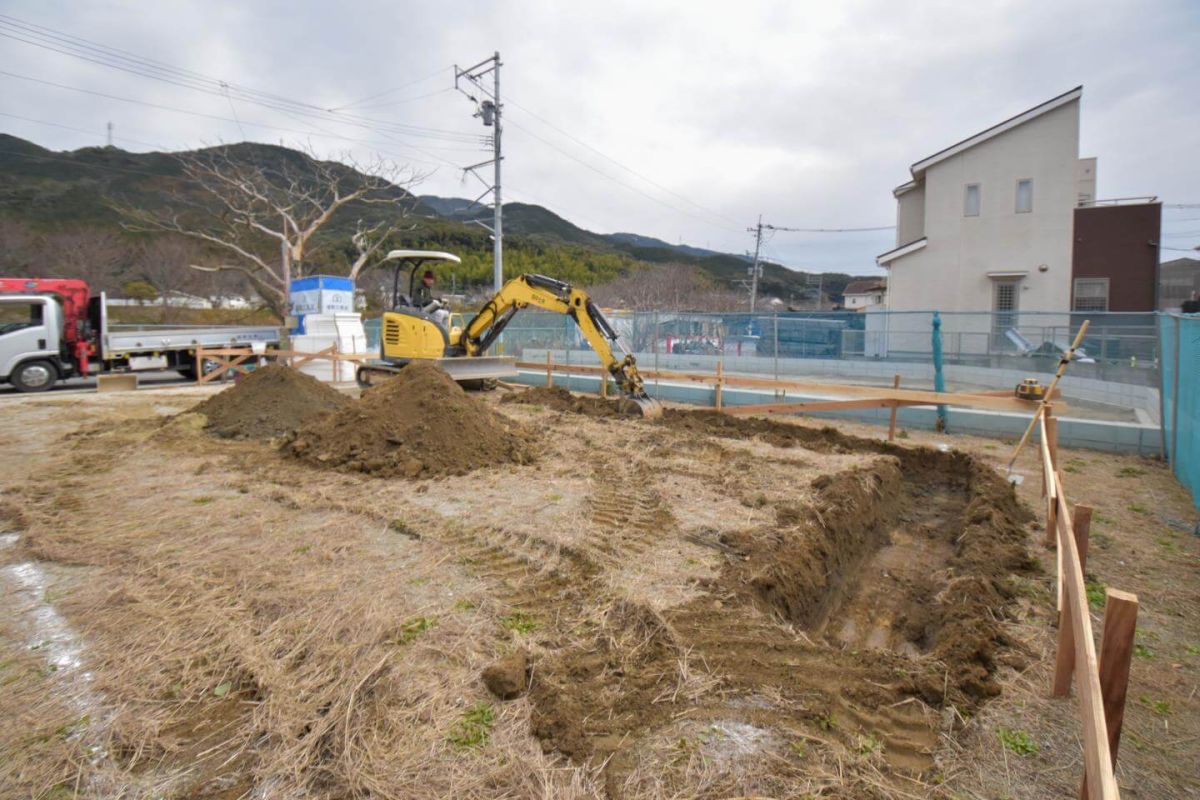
(855, 617)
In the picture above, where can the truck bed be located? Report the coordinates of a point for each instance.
(158, 340)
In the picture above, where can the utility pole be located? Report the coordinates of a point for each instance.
(820, 282)
(110, 127)
(757, 231)
(488, 109)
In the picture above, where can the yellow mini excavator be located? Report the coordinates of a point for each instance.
(413, 332)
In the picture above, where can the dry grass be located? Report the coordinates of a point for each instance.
(255, 627)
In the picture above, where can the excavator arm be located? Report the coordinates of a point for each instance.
(554, 295)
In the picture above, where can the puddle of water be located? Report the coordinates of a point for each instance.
(50, 635)
(728, 739)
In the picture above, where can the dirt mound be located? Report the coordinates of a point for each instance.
(774, 432)
(418, 424)
(268, 402)
(559, 399)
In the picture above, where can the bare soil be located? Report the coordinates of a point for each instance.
(699, 606)
(269, 402)
(417, 424)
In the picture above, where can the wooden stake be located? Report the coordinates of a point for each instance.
(720, 375)
(1064, 663)
(199, 364)
(549, 370)
(892, 418)
(1116, 653)
(1052, 432)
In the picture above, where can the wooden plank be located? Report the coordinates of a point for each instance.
(1116, 653)
(118, 382)
(913, 396)
(1062, 367)
(892, 416)
(1009, 393)
(1064, 663)
(815, 405)
(224, 364)
(1097, 757)
(298, 360)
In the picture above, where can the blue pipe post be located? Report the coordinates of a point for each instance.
(939, 379)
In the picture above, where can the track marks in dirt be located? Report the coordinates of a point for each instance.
(628, 512)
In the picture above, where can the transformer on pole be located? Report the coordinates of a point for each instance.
(488, 109)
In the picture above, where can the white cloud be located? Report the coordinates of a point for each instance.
(806, 112)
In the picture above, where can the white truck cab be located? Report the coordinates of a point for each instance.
(31, 357)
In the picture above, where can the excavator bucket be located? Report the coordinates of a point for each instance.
(646, 407)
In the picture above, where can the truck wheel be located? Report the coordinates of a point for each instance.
(34, 376)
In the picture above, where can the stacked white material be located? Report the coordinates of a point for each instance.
(325, 330)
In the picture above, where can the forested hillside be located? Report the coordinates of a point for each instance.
(60, 214)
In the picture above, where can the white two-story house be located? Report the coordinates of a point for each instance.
(986, 224)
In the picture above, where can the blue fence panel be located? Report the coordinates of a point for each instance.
(1179, 337)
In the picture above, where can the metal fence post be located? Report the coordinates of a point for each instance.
(939, 379)
(776, 349)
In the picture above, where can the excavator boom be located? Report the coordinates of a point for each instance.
(554, 295)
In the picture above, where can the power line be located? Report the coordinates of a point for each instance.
(386, 92)
(189, 112)
(628, 169)
(81, 130)
(833, 230)
(102, 55)
(615, 180)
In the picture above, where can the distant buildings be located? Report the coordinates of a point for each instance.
(864, 294)
(1007, 221)
(1177, 281)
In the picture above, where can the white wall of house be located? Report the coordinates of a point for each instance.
(856, 302)
(951, 272)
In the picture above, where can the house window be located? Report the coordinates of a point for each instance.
(971, 201)
(1005, 301)
(1091, 294)
(1024, 196)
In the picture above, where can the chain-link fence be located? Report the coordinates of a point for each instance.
(1180, 337)
(1116, 373)
(1119, 347)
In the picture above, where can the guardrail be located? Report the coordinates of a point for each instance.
(1102, 680)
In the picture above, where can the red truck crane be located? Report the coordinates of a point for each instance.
(56, 328)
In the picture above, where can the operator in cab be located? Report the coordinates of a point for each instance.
(431, 305)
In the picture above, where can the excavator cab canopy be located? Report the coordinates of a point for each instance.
(413, 260)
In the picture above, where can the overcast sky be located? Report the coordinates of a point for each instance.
(713, 112)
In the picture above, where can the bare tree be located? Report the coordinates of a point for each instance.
(18, 249)
(264, 216)
(95, 256)
(670, 287)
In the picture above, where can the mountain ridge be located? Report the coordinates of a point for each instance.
(62, 189)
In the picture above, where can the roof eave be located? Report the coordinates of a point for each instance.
(996, 130)
(884, 259)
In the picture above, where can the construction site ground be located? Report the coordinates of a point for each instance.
(698, 606)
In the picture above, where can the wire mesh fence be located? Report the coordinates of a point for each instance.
(1119, 347)
(1180, 338)
(1122, 348)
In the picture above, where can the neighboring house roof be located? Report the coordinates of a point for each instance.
(884, 259)
(1007, 125)
(865, 287)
